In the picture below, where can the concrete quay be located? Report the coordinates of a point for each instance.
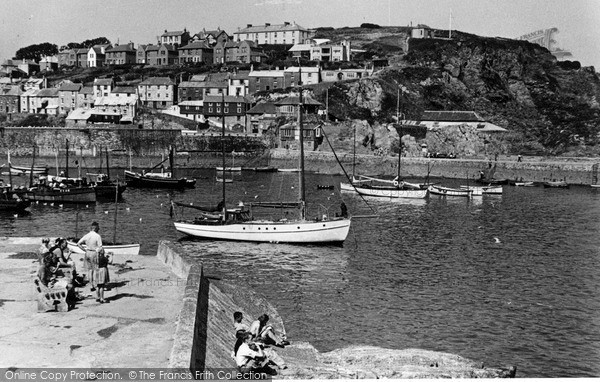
(134, 330)
(165, 313)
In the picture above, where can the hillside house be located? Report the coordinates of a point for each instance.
(85, 98)
(151, 55)
(115, 104)
(211, 38)
(121, 54)
(260, 117)
(264, 80)
(67, 57)
(325, 50)
(175, 38)
(238, 84)
(276, 34)
(140, 54)
(167, 55)
(308, 75)
(103, 87)
(96, 56)
(68, 95)
(196, 52)
(26, 67)
(231, 108)
(44, 101)
(223, 51)
(345, 74)
(49, 63)
(157, 92)
(81, 57)
(198, 90)
(289, 136)
(288, 106)
(10, 99)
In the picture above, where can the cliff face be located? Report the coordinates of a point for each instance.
(548, 106)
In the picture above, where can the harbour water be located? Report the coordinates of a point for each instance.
(505, 280)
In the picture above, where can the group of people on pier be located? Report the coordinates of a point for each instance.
(57, 269)
(253, 350)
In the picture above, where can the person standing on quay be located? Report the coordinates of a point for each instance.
(93, 243)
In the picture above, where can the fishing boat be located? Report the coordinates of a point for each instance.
(159, 180)
(556, 184)
(265, 169)
(484, 190)
(21, 170)
(113, 248)
(448, 191)
(525, 184)
(61, 189)
(104, 186)
(487, 177)
(377, 187)
(11, 200)
(238, 224)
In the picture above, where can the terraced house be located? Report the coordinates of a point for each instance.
(196, 52)
(68, 96)
(157, 92)
(175, 38)
(278, 34)
(121, 55)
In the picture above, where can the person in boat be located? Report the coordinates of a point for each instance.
(93, 242)
(103, 276)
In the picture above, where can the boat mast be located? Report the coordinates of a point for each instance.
(67, 164)
(9, 170)
(172, 161)
(223, 152)
(32, 166)
(400, 135)
(354, 154)
(107, 166)
(302, 190)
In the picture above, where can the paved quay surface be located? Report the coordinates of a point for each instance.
(134, 330)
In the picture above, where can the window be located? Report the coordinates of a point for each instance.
(226, 110)
(239, 110)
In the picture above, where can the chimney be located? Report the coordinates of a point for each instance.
(267, 24)
(248, 25)
(286, 23)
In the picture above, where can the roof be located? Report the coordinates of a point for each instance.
(150, 48)
(103, 81)
(199, 77)
(173, 33)
(196, 45)
(191, 103)
(50, 92)
(124, 89)
(295, 100)
(240, 75)
(304, 69)
(218, 98)
(87, 90)
(271, 28)
(113, 100)
(97, 49)
(168, 47)
(266, 73)
(121, 48)
(11, 91)
(31, 93)
(263, 108)
(70, 87)
(450, 116)
(490, 128)
(157, 81)
(300, 48)
(79, 114)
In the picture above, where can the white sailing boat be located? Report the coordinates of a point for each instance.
(396, 188)
(237, 224)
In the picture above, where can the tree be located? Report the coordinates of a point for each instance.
(95, 41)
(36, 52)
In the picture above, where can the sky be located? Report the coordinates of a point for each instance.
(27, 22)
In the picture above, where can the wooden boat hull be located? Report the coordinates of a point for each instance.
(20, 170)
(67, 195)
(525, 184)
(233, 169)
(303, 232)
(135, 179)
(119, 249)
(265, 169)
(485, 190)
(108, 190)
(384, 192)
(14, 205)
(447, 191)
(556, 185)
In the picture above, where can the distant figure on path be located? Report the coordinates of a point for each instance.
(93, 242)
(519, 158)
